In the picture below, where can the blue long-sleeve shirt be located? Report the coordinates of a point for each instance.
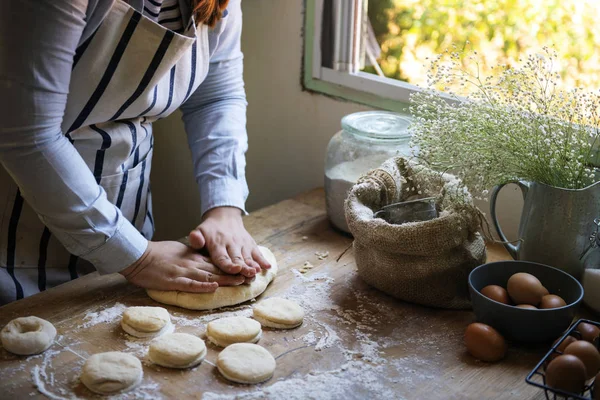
(38, 40)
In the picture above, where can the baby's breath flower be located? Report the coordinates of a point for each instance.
(517, 125)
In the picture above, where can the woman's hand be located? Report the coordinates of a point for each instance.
(175, 266)
(230, 246)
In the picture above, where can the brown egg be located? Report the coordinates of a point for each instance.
(561, 348)
(567, 373)
(588, 354)
(496, 293)
(484, 342)
(568, 340)
(588, 332)
(527, 306)
(545, 291)
(524, 288)
(552, 301)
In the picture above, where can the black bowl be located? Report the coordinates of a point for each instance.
(519, 324)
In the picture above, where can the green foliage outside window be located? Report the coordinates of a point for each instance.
(501, 31)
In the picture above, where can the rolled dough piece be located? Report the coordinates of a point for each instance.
(27, 335)
(226, 331)
(146, 322)
(223, 296)
(112, 372)
(276, 312)
(177, 350)
(246, 363)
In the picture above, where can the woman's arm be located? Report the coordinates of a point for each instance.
(38, 42)
(215, 122)
(38, 39)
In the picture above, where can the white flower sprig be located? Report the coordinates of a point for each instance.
(518, 125)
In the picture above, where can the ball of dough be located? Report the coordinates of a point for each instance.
(146, 322)
(279, 313)
(225, 295)
(177, 350)
(225, 331)
(108, 373)
(27, 335)
(246, 363)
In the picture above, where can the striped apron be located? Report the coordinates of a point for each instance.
(129, 73)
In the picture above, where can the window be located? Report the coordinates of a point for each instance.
(334, 57)
(374, 51)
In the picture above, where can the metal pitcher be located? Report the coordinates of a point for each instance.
(559, 227)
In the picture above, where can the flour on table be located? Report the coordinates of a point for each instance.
(314, 298)
(310, 338)
(106, 315)
(314, 295)
(137, 347)
(328, 339)
(328, 385)
(146, 391)
(42, 379)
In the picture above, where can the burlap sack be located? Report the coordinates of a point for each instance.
(420, 262)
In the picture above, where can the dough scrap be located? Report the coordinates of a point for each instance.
(224, 296)
(146, 322)
(246, 363)
(307, 266)
(177, 350)
(27, 335)
(276, 312)
(226, 331)
(108, 373)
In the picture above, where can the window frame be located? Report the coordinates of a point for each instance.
(346, 81)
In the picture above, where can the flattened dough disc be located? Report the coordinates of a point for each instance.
(223, 296)
(246, 363)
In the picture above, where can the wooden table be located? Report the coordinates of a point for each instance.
(356, 342)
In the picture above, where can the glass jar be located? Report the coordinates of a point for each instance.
(366, 140)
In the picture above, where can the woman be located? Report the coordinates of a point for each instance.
(81, 82)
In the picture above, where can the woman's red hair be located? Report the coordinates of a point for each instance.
(208, 11)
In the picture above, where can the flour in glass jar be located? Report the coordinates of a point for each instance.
(338, 182)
